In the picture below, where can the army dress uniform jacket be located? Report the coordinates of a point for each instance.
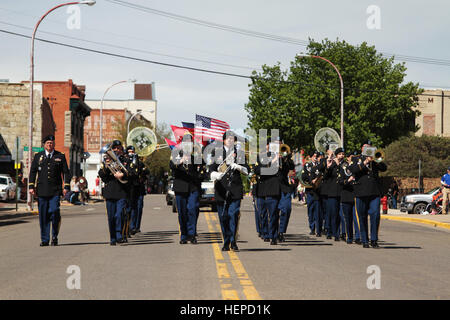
(270, 184)
(231, 183)
(287, 165)
(367, 177)
(186, 177)
(347, 193)
(114, 189)
(332, 174)
(309, 173)
(46, 174)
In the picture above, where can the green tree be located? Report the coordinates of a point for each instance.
(402, 156)
(305, 98)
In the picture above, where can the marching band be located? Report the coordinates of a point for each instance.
(342, 190)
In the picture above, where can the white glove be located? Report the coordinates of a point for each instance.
(242, 169)
(216, 175)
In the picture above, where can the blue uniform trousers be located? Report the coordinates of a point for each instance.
(228, 216)
(285, 208)
(325, 215)
(347, 211)
(355, 223)
(368, 207)
(49, 213)
(187, 213)
(257, 204)
(270, 208)
(333, 204)
(342, 226)
(133, 211)
(115, 209)
(311, 207)
(140, 208)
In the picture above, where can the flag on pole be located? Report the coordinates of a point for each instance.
(179, 132)
(172, 144)
(188, 125)
(208, 128)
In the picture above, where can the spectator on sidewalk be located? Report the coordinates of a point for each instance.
(445, 181)
(394, 187)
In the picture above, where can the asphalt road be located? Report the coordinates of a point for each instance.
(412, 262)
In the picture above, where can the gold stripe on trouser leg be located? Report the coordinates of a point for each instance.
(357, 219)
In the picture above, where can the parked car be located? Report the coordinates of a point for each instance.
(7, 188)
(206, 197)
(418, 202)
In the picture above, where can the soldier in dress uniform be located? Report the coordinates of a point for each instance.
(187, 188)
(270, 190)
(142, 191)
(346, 180)
(134, 188)
(257, 200)
(49, 168)
(287, 188)
(228, 187)
(334, 192)
(367, 192)
(309, 176)
(116, 194)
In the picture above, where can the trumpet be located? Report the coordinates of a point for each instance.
(285, 150)
(114, 165)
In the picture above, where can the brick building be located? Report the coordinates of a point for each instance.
(14, 120)
(116, 114)
(59, 109)
(434, 106)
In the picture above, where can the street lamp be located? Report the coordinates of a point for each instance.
(134, 115)
(342, 89)
(101, 107)
(30, 128)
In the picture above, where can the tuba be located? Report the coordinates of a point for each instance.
(114, 165)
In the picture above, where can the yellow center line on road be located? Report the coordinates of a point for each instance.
(228, 292)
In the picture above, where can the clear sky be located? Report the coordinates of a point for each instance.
(413, 28)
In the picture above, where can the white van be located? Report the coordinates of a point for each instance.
(7, 188)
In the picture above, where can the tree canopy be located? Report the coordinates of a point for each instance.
(305, 98)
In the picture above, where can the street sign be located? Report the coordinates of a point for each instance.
(34, 149)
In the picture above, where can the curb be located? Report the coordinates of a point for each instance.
(418, 220)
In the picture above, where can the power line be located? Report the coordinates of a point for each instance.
(200, 69)
(131, 49)
(256, 34)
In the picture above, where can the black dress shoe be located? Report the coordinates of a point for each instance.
(281, 237)
(366, 245)
(374, 244)
(225, 248)
(266, 240)
(349, 241)
(112, 243)
(343, 237)
(318, 235)
(312, 233)
(194, 240)
(329, 237)
(357, 241)
(44, 244)
(273, 242)
(133, 232)
(54, 242)
(234, 247)
(183, 241)
(337, 239)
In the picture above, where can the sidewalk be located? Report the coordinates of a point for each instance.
(439, 220)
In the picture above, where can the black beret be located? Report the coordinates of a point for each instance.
(338, 150)
(131, 148)
(116, 143)
(366, 142)
(50, 137)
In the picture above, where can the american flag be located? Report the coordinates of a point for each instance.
(209, 128)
